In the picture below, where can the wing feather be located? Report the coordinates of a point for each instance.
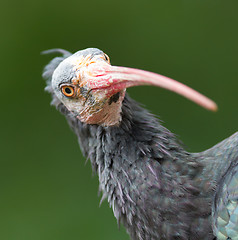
(225, 207)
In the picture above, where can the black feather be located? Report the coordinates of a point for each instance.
(156, 188)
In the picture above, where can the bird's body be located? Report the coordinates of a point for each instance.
(156, 188)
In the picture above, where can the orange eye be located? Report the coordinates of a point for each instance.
(68, 91)
(106, 58)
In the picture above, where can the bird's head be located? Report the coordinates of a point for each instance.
(91, 88)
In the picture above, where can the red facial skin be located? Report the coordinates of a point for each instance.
(97, 81)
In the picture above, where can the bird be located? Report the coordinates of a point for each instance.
(155, 187)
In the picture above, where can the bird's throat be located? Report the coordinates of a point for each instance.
(109, 113)
(107, 116)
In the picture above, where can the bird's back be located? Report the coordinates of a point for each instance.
(221, 179)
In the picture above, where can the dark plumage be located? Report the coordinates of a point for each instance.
(156, 188)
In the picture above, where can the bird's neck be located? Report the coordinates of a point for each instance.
(139, 139)
(139, 132)
(137, 162)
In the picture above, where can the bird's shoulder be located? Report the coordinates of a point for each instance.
(225, 207)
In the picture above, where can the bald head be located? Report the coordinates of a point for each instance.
(91, 88)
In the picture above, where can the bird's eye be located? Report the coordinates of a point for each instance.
(106, 58)
(68, 91)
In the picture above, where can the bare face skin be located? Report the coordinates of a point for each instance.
(70, 82)
(92, 89)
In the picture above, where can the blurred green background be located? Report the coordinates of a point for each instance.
(47, 192)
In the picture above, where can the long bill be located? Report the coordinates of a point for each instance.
(114, 79)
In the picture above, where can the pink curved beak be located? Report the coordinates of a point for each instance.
(114, 79)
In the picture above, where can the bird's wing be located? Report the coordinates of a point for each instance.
(220, 176)
(225, 207)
